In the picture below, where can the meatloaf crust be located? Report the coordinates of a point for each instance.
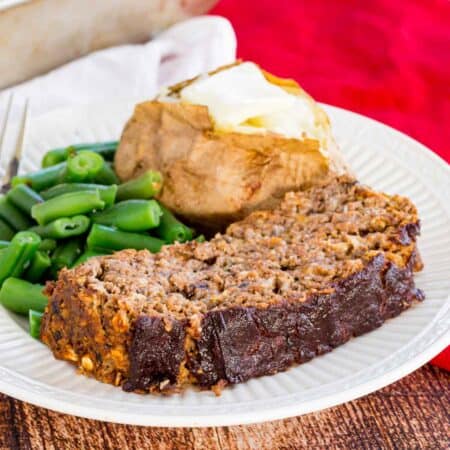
(275, 290)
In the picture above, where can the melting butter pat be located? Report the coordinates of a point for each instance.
(241, 99)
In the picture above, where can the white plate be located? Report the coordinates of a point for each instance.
(381, 157)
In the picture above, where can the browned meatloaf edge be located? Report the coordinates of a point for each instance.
(241, 343)
(99, 316)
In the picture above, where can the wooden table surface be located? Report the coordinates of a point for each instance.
(413, 413)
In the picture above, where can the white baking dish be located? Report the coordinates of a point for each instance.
(9, 3)
(38, 35)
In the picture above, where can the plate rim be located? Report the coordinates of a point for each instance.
(213, 420)
(350, 393)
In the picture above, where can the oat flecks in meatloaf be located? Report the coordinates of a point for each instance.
(277, 289)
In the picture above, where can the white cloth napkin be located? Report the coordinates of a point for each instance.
(134, 72)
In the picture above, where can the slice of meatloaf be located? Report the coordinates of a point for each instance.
(277, 289)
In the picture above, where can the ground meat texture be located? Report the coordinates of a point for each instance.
(276, 289)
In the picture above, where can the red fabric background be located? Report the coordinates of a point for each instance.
(389, 60)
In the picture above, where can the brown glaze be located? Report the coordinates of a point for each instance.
(156, 354)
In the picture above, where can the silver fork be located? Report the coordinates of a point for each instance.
(13, 127)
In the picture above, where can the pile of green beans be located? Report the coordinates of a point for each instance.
(72, 209)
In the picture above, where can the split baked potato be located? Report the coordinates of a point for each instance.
(215, 174)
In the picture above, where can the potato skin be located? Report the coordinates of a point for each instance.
(212, 177)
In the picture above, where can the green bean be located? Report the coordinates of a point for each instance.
(145, 186)
(31, 243)
(107, 193)
(23, 197)
(8, 259)
(106, 237)
(84, 166)
(20, 296)
(16, 257)
(63, 228)
(106, 149)
(38, 266)
(130, 215)
(35, 321)
(4, 244)
(42, 179)
(66, 254)
(89, 254)
(57, 155)
(67, 205)
(6, 232)
(47, 245)
(13, 216)
(200, 238)
(107, 175)
(171, 229)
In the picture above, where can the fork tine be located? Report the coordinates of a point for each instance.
(15, 160)
(5, 121)
(13, 166)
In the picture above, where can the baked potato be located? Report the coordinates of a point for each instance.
(214, 175)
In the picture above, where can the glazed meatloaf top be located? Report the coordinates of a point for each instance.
(310, 241)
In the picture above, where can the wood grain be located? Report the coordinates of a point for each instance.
(410, 414)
